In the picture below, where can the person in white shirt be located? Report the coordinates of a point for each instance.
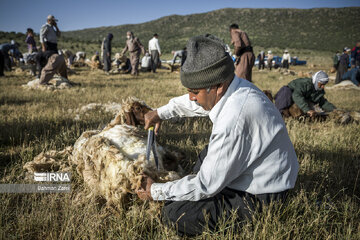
(250, 159)
(155, 52)
(146, 63)
(286, 59)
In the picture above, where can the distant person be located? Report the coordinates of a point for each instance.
(304, 92)
(146, 63)
(102, 50)
(5, 49)
(125, 65)
(270, 58)
(30, 40)
(155, 52)
(134, 46)
(245, 57)
(49, 34)
(30, 60)
(343, 65)
(286, 59)
(49, 64)
(336, 60)
(69, 57)
(95, 61)
(261, 58)
(107, 53)
(352, 75)
(2, 63)
(80, 56)
(181, 54)
(355, 56)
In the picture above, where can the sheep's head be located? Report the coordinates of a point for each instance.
(132, 113)
(135, 115)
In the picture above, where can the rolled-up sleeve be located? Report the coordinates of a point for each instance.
(225, 161)
(181, 107)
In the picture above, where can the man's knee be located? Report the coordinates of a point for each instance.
(185, 222)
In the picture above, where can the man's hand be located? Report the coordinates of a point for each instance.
(311, 113)
(152, 119)
(144, 192)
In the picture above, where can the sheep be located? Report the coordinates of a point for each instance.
(111, 161)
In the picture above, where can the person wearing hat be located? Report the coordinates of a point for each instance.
(270, 58)
(243, 50)
(304, 92)
(343, 65)
(286, 59)
(249, 160)
(49, 34)
(134, 46)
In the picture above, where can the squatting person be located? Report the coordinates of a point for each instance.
(305, 93)
(249, 160)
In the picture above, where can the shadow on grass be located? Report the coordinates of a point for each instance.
(330, 172)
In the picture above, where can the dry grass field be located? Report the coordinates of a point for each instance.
(325, 203)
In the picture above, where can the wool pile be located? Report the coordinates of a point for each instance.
(347, 84)
(55, 83)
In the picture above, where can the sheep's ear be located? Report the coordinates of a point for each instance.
(130, 119)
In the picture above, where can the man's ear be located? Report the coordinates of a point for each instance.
(220, 89)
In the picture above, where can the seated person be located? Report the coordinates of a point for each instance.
(125, 65)
(352, 75)
(95, 61)
(30, 60)
(49, 63)
(146, 63)
(304, 92)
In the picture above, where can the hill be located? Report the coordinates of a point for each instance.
(326, 29)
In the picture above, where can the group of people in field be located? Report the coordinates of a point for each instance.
(249, 161)
(347, 64)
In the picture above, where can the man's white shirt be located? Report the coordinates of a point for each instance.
(154, 45)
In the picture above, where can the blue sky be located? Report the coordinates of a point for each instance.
(17, 15)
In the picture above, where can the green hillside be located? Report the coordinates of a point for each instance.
(326, 29)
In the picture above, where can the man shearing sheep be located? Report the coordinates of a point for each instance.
(250, 159)
(304, 92)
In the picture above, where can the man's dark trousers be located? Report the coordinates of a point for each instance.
(154, 59)
(188, 216)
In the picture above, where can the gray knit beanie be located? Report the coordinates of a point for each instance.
(207, 63)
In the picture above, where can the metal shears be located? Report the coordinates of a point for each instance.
(151, 146)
